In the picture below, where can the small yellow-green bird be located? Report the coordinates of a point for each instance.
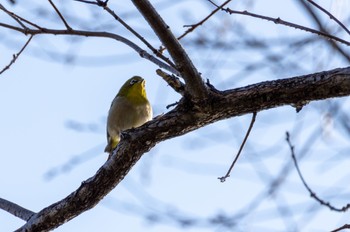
(129, 109)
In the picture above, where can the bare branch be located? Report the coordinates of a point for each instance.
(116, 17)
(195, 86)
(288, 24)
(312, 193)
(89, 2)
(332, 43)
(119, 38)
(155, 51)
(15, 56)
(60, 15)
(173, 81)
(15, 209)
(330, 15)
(19, 19)
(184, 118)
(12, 15)
(194, 26)
(346, 226)
(223, 178)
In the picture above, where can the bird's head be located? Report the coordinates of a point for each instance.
(133, 89)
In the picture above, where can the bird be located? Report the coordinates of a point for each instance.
(129, 109)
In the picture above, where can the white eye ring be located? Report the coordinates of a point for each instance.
(133, 81)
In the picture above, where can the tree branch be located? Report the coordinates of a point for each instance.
(195, 86)
(15, 209)
(344, 227)
(173, 81)
(134, 32)
(12, 15)
(142, 53)
(184, 118)
(288, 24)
(155, 51)
(194, 26)
(15, 56)
(311, 192)
(227, 175)
(332, 43)
(60, 15)
(330, 16)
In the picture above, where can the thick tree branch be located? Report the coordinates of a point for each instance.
(184, 118)
(15, 209)
(194, 83)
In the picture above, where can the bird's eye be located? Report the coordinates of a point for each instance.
(133, 81)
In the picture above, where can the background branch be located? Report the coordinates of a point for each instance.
(119, 38)
(155, 51)
(331, 42)
(60, 15)
(15, 56)
(330, 15)
(344, 227)
(312, 193)
(288, 24)
(194, 26)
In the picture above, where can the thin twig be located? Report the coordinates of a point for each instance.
(12, 15)
(172, 105)
(96, 2)
(285, 23)
(15, 56)
(312, 193)
(330, 15)
(140, 51)
(155, 51)
(116, 17)
(317, 20)
(223, 178)
(60, 15)
(194, 26)
(88, 2)
(346, 226)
